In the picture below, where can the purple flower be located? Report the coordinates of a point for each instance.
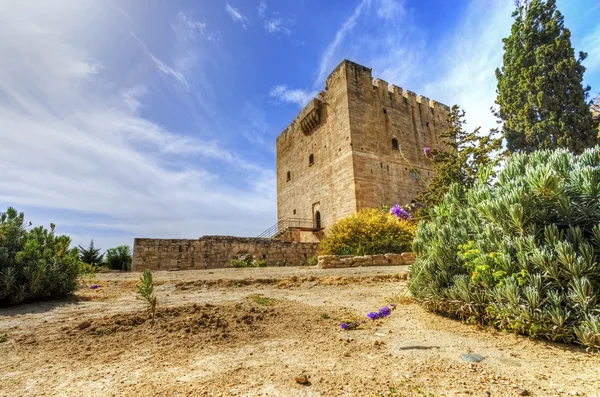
(373, 315)
(350, 326)
(427, 152)
(95, 286)
(385, 311)
(400, 213)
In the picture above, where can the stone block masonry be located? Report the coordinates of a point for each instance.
(211, 252)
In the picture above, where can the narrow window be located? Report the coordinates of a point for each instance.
(311, 159)
(294, 212)
(289, 176)
(317, 220)
(427, 123)
(384, 111)
(395, 144)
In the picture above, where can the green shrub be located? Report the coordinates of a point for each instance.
(34, 264)
(522, 254)
(119, 258)
(368, 232)
(312, 261)
(247, 261)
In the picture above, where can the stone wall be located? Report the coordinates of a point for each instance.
(335, 261)
(348, 129)
(210, 252)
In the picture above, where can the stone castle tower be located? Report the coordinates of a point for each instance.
(359, 144)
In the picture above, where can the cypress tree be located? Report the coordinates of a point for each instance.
(542, 102)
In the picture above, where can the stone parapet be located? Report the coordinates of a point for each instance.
(210, 252)
(339, 261)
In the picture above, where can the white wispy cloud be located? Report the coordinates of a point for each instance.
(187, 28)
(75, 139)
(326, 63)
(276, 25)
(236, 15)
(285, 94)
(262, 9)
(273, 23)
(166, 69)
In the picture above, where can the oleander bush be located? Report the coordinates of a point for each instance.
(522, 253)
(368, 232)
(35, 264)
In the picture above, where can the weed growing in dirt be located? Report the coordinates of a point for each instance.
(146, 292)
(325, 316)
(262, 300)
(3, 337)
(312, 261)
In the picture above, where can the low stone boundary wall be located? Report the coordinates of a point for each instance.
(335, 261)
(211, 252)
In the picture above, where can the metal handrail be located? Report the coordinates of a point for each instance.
(285, 224)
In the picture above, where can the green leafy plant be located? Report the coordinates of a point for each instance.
(465, 157)
(246, 260)
(119, 258)
(369, 231)
(3, 338)
(522, 253)
(35, 264)
(312, 261)
(146, 293)
(262, 300)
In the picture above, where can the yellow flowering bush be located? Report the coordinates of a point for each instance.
(368, 232)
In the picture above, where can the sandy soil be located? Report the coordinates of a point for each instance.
(252, 332)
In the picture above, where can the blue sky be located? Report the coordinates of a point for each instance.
(118, 121)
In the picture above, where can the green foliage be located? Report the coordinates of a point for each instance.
(312, 261)
(263, 300)
(469, 155)
(3, 338)
(91, 255)
(34, 264)
(542, 102)
(368, 232)
(146, 293)
(247, 261)
(522, 254)
(119, 258)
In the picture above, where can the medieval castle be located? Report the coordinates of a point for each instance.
(358, 145)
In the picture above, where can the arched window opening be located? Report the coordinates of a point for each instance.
(311, 159)
(318, 220)
(395, 144)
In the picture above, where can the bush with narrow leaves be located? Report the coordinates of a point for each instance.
(522, 253)
(146, 293)
(35, 264)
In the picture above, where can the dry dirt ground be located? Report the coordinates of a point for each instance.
(251, 332)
